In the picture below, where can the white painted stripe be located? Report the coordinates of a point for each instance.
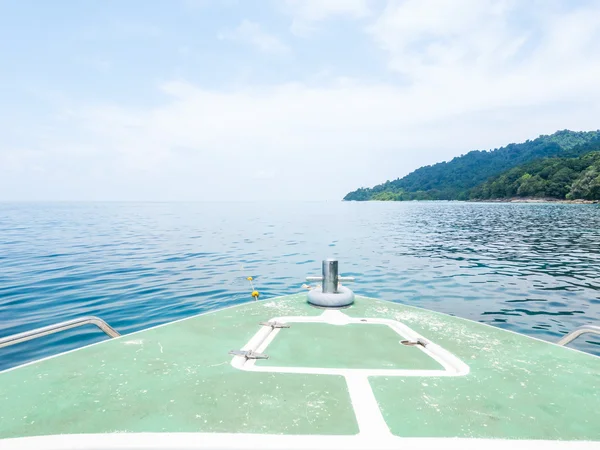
(251, 367)
(452, 366)
(366, 409)
(243, 441)
(368, 415)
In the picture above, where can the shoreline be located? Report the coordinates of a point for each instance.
(494, 200)
(537, 200)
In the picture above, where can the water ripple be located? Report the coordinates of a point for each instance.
(531, 268)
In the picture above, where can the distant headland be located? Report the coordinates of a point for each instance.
(564, 166)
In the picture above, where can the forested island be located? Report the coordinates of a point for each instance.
(561, 166)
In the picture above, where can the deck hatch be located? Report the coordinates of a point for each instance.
(351, 346)
(328, 344)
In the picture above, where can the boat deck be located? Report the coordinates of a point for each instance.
(340, 372)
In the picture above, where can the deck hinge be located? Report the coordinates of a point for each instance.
(249, 354)
(274, 324)
(421, 342)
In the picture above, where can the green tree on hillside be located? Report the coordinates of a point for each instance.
(466, 176)
(587, 186)
(560, 178)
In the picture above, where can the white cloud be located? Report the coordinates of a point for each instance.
(470, 79)
(302, 28)
(435, 41)
(468, 54)
(306, 12)
(292, 141)
(251, 33)
(315, 10)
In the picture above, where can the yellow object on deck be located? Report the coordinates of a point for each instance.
(255, 294)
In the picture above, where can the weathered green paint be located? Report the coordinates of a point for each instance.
(179, 378)
(518, 387)
(353, 346)
(173, 378)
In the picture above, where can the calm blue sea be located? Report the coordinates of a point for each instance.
(531, 268)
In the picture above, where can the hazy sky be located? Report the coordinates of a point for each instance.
(280, 99)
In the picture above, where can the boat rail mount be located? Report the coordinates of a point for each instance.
(62, 326)
(570, 337)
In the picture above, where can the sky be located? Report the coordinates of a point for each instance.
(200, 100)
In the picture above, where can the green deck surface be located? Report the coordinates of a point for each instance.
(179, 378)
(518, 387)
(173, 378)
(353, 346)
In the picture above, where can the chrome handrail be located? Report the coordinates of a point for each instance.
(51, 329)
(594, 329)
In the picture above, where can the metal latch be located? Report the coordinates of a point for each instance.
(249, 354)
(420, 342)
(274, 324)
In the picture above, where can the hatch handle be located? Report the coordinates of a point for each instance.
(249, 354)
(421, 342)
(274, 324)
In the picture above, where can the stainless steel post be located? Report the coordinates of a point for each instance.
(330, 276)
